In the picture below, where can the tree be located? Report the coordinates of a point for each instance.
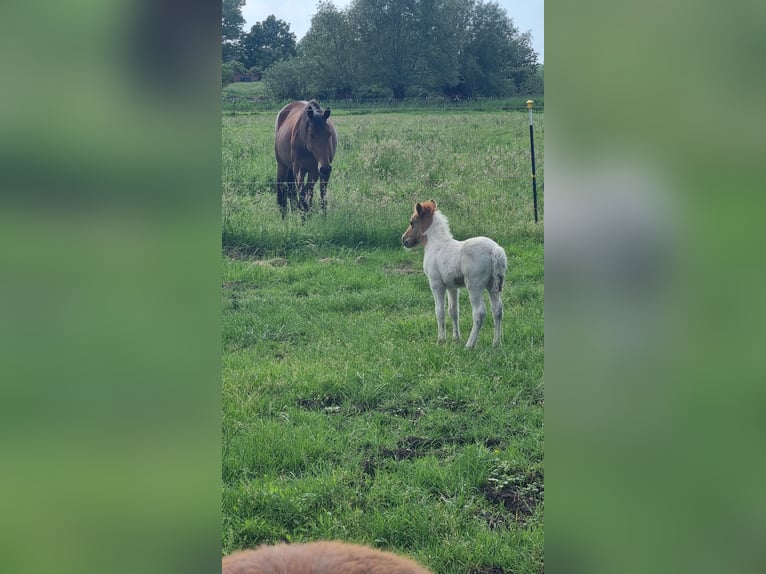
(404, 47)
(268, 42)
(230, 70)
(449, 46)
(286, 80)
(331, 49)
(232, 23)
(389, 42)
(522, 64)
(442, 29)
(496, 59)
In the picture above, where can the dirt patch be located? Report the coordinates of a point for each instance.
(413, 447)
(519, 494)
(406, 411)
(452, 405)
(274, 262)
(406, 268)
(494, 520)
(355, 261)
(325, 403)
(401, 453)
(487, 570)
(240, 251)
(416, 446)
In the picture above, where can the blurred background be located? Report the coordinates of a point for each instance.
(654, 306)
(109, 283)
(109, 286)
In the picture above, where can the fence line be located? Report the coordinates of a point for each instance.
(336, 182)
(516, 103)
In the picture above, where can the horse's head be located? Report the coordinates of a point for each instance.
(420, 221)
(320, 138)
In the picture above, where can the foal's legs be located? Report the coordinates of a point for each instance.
(438, 292)
(478, 311)
(454, 312)
(496, 303)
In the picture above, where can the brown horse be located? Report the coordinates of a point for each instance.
(304, 144)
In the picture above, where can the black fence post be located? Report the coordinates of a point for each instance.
(531, 103)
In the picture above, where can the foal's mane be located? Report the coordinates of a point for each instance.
(440, 226)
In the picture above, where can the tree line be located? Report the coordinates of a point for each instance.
(386, 48)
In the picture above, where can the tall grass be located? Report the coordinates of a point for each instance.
(476, 165)
(342, 416)
(252, 97)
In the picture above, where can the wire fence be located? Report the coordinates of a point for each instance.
(233, 105)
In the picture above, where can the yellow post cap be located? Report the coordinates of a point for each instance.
(530, 103)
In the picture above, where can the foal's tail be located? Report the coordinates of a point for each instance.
(499, 266)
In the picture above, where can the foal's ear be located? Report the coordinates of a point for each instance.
(432, 201)
(327, 113)
(420, 209)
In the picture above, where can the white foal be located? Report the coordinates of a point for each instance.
(476, 264)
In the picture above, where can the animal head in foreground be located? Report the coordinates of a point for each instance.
(319, 558)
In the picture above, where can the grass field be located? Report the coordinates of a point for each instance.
(342, 416)
(248, 97)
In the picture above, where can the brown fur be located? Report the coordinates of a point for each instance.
(422, 217)
(305, 141)
(319, 558)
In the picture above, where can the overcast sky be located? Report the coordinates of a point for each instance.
(526, 15)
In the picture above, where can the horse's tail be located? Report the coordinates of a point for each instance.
(499, 267)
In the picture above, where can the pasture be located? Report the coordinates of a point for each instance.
(343, 417)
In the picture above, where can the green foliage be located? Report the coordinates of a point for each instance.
(232, 22)
(342, 416)
(288, 80)
(252, 91)
(330, 47)
(407, 48)
(389, 42)
(229, 70)
(267, 42)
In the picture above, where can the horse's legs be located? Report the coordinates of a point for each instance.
(283, 185)
(322, 194)
(496, 302)
(438, 292)
(296, 182)
(453, 297)
(478, 311)
(307, 192)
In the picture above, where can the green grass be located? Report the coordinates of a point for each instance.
(253, 90)
(252, 97)
(342, 416)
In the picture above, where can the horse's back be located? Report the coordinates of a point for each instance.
(286, 112)
(283, 129)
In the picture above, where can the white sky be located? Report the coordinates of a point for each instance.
(526, 15)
